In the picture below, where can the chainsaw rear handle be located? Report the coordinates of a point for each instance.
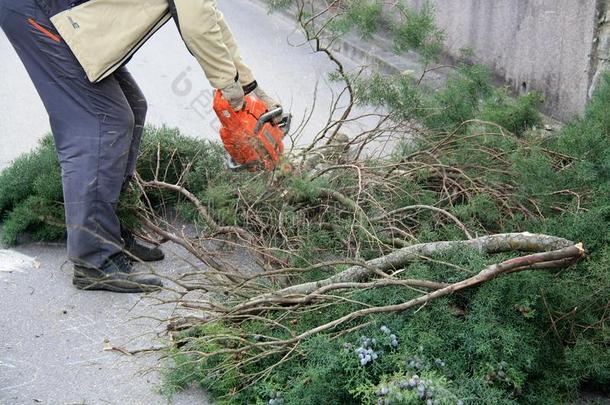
(267, 117)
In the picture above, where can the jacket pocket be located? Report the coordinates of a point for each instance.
(53, 50)
(43, 30)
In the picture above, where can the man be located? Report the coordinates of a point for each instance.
(74, 52)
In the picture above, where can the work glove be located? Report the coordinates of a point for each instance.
(234, 94)
(272, 104)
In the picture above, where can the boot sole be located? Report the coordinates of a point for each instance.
(89, 284)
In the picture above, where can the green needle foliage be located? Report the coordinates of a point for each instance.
(516, 115)
(31, 199)
(530, 338)
(467, 95)
(31, 195)
(364, 16)
(537, 337)
(417, 30)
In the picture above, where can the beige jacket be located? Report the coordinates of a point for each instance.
(103, 34)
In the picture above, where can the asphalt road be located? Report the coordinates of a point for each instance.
(52, 337)
(56, 342)
(174, 85)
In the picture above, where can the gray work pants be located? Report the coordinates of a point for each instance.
(97, 129)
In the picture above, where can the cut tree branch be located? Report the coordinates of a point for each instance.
(568, 254)
(522, 242)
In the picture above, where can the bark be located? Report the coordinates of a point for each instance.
(560, 257)
(522, 242)
(320, 293)
(203, 212)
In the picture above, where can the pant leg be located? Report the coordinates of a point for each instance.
(138, 105)
(92, 126)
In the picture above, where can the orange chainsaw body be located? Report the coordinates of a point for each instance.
(251, 141)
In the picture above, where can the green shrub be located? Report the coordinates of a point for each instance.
(362, 15)
(31, 195)
(31, 199)
(515, 115)
(460, 99)
(535, 337)
(417, 31)
(20, 180)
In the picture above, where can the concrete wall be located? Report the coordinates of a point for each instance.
(600, 61)
(544, 45)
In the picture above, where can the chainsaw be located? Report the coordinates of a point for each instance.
(253, 136)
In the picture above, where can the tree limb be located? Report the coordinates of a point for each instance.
(523, 242)
(571, 253)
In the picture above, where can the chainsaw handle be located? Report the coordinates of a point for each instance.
(267, 117)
